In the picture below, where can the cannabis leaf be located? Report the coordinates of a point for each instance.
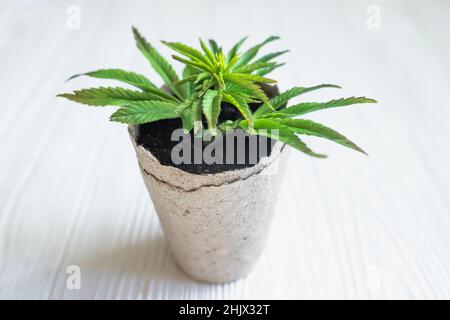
(284, 98)
(128, 77)
(232, 54)
(144, 112)
(159, 64)
(214, 46)
(239, 102)
(271, 56)
(211, 108)
(252, 52)
(306, 107)
(266, 70)
(107, 96)
(277, 131)
(308, 127)
(210, 78)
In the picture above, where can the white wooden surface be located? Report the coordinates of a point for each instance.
(346, 227)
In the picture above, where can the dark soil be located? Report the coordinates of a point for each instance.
(156, 137)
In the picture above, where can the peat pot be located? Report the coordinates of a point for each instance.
(216, 224)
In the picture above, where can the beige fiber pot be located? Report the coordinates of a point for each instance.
(216, 224)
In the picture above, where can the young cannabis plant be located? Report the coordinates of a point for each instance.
(210, 78)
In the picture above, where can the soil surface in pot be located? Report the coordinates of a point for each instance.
(156, 137)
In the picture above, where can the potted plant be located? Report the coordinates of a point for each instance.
(214, 200)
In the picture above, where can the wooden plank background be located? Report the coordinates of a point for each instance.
(347, 227)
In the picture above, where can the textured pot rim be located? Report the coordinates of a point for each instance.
(187, 181)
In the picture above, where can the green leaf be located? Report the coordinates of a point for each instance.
(128, 77)
(277, 131)
(306, 107)
(214, 46)
(308, 127)
(194, 63)
(248, 85)
(185, 80)
(249, 68)
(185, 111)
(240, 104)
(252, 52)
(216, 109)
(144, 112)
(108, 96)
(131, 78)
(244, 92)
(187, 120)
(271, 56)
(188, 71)
(230, 125)
(159, 64)
(211, 108)
(267, 70)
(189, 52)
(202, 76)
(186, 104)
(197, 116)
(284, 98)
(254, 78)
(234, 50)
(231, 63)
(208, 53)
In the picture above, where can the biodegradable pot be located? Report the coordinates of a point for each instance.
(216, 224)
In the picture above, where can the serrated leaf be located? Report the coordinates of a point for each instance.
(189, 52)
(306, 107)
(252, 52)
(277, 131)
(185, 80)
(186, 104)
(230, 125)
(144, 112)
(189, 71)
(240, 104)
(267, 70)
(211, 108)
(185, 111)
(197, 116)
(235, 89)
(249, 68)
(253, 78)
(284, 97)
(131, 78)
(230, 64)
(202, 76)
(214, 46)
(234, 50)
(308, 127)
(187, 120)
(208, 53)
(193, 63)
(189, 86)
(248, 85)
(159, 64)
(108, 96)
(271, 56)
(128, 77)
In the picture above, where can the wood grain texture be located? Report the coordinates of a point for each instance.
(346, 227)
